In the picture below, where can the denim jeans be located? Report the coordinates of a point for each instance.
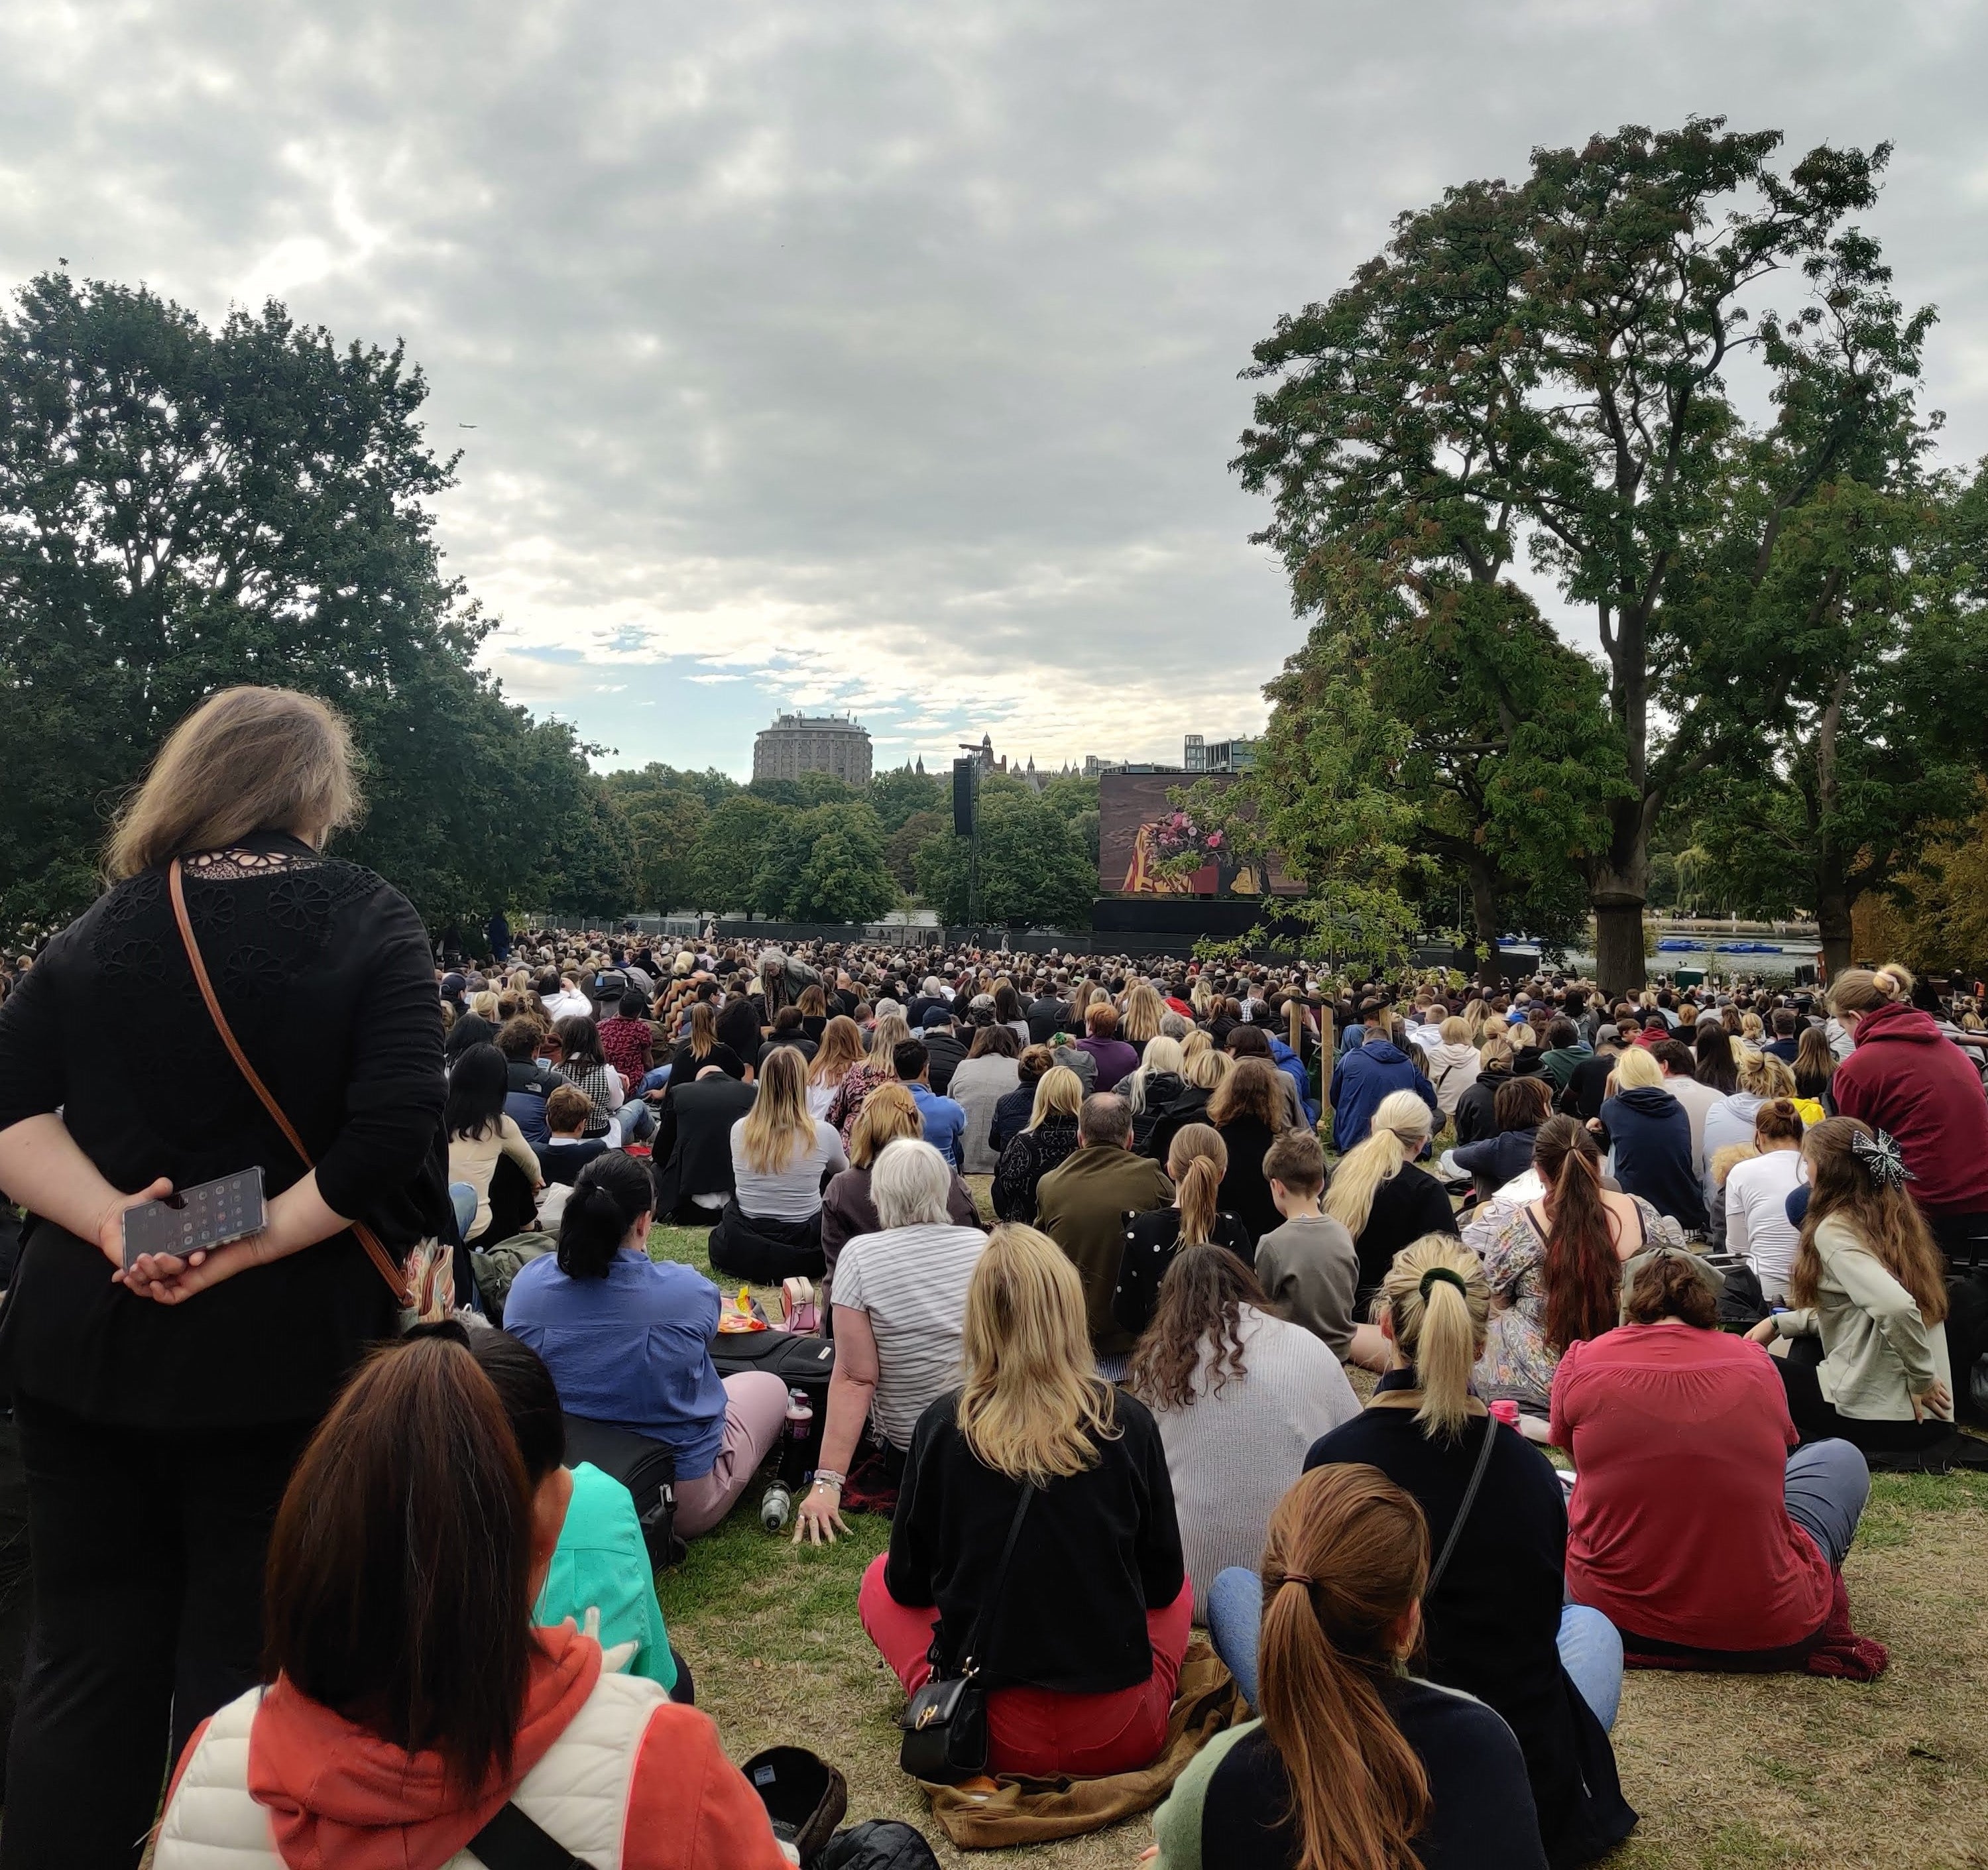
(1590, 1649)
(1828, 1485)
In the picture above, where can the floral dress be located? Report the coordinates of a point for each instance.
(1517, 1365)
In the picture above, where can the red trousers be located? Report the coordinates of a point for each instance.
(1038, 1732)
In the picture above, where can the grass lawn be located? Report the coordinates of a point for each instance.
(1728, 1772)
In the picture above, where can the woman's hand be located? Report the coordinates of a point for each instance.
(109, 1231)
(172, 1281)
(818, 1517)
(1765, 1332)
(1935, 1399)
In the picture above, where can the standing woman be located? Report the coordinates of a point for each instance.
(160, 1411)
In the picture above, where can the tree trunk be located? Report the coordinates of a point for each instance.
(1832, 917)
(1484, 920)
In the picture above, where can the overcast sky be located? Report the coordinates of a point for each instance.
(854, 355)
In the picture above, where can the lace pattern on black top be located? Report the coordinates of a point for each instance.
(236, 862)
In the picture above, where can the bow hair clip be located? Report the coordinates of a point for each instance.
(1882, 1159)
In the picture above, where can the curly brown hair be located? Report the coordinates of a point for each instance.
(1200, 1302)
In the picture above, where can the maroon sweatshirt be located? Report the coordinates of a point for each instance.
(1907, 1077)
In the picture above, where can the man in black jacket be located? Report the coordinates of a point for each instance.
(947, 1049)
(1047, 1014)
(693, 1144)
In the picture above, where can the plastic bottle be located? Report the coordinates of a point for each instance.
(775, 1507)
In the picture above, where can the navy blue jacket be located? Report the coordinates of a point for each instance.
(1650, 1135)
(1360, 1079)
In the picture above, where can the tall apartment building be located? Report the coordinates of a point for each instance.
(798, 743)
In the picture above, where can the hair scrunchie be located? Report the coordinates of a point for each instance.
(1447, 1275)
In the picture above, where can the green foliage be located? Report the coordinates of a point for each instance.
(898, 796)
(725, 860)
(1033, 870)
(667, 810)
(810, 789)
(184, 507)
(1547, 363)
(826, 865)
(901, 853)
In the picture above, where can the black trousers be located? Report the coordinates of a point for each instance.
(148, 1550)
(1816, 1419)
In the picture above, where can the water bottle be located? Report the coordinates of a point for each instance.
(775, 1507)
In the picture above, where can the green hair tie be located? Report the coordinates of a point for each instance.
(1447, 1275)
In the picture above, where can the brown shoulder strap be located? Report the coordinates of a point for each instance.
(382, 1260)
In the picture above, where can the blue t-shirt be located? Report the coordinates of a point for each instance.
(633, 1349)
(945, 1122)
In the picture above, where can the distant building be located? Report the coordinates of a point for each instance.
(798, 743)
(1237, 755)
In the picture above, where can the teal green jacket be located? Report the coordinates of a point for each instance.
(602, 1564)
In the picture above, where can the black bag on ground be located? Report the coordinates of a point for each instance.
(646, 1467)
(1742, 1304)
(804, 1796)
(799, 1360)
(882, 1844)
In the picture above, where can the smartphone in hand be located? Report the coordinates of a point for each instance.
(191, 1220)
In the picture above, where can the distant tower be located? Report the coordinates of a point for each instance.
(798, 743)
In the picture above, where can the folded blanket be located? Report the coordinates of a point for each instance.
(991, 1814)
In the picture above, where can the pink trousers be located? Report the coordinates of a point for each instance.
(755, 1411)
(1037, 1732)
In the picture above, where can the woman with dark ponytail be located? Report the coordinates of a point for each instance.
(628, 1341)
(1356, 1763)
(412, 1697)
(1497, 1625)
(1555, 1268)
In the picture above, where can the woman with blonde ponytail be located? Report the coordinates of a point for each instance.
(1496, 1622)
(1379, 1195)
(1356, 1763)
(1196, 1161)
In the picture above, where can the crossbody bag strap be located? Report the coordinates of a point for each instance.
(1463, 1512)
(513, 1840)
(383, 1261)
(970, 1665)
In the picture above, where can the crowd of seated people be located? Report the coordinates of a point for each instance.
(1142, 1372)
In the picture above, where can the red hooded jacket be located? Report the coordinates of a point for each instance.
(1908, 1077)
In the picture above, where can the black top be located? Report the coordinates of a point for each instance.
(324, 973)
(1473, 1116)
(948, 1054)
(1246, 1189)
(1498, 1159)
(1162, 1089)
(1406, 1206)
(1047, 1017)
(685, 1065)
(799, 1041)
(1189, 1104)
(1492, 1624)
(1151, 1241)
(1586, 1086)
(1012, 1109)
(1480, 1816)
(1099, 1550)
(692, 1151)
(1024, 1161)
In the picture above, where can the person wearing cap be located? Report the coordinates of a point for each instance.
(1693, 1528)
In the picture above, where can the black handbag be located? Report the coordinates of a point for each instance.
(646, 1467)
(945, 1721)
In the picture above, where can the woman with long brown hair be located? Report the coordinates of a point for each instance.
(412, 1697)
(1496, 1620)
(1197, 1163)
(1239, 1395)
(841, 1046)
(160, 1408)
(1356, 1763)
(1250, 1110)
(878, 1066)
(1555, 1268)
(1094, 1610)
(1815, 1065)
(1869, 1292)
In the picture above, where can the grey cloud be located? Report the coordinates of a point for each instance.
(886, 354)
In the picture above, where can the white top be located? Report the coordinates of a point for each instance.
(1698, 1100)
(819, 1097)
(1232, 1456)
(1757, 1216)
(794, 1193)
(912, 1281)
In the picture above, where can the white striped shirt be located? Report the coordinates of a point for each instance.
(912, 1281)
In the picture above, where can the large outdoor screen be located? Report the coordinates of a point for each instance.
(1140, 830)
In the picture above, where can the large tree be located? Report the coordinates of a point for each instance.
(1544, 368)
(666, 810)
(183, 508)
(1033, 867)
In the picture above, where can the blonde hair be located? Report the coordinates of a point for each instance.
(1441, 1333)
(1197, 1159)
(1144, 1011)
(1454, 1033)
(1059, 1091)
(1031, 1406)
(1197, 1041)
(1636, 1069)
(890, 1033)
(841, 1046)
(1162, 1055)
(1763, 1075)
(887, 1113)
(484, 1004)
(1205, 1069)
(1401, 1125)
(779, 1129)
(1495, 1050)
(1865, 989)
(246, 760)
